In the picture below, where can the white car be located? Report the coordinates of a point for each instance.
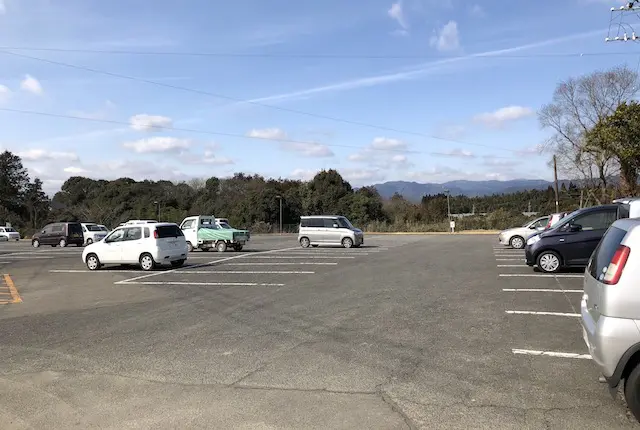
(9, 233)
(93, 232)
(146, 244)
(517, 237)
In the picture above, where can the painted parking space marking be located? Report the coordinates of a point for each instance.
(551, 354)
(9, 291)
(543, 313)
(538, 275)
(235, 257)
(191, 272)
(512, 265)
(280, 257)
(539, 290)
(203, 284)
(510, 259)
(291, 263)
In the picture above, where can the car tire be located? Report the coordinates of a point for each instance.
(549, 262)
(35, 243)
(189, 247)
(93, 262)
(62, 243)
(146, 262)
(89, 241)
(221, 246)
(347, 242)
(632, 392)
(305, 242)
(237, 248)
(177, 263)
(517, 242)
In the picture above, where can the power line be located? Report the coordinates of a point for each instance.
(217, 133)
(309, 56)
(235, 99)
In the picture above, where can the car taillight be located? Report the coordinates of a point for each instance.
(155, 234)
(615, 268)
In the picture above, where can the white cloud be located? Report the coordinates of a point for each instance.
(396, 13)
(447, 38)
(307, 149)
(145, 122)
(495, 161)
(5, 93)
(44, 155)
(303, 174)
(414, 72)
(455, 153)
(503, 115)
(451, 131)
(268, 133)
(353, 176)
(158, 144)
(208, 157)
(440, 174)
(387, 143)
(477, 11)
(532, 150)
(32, 85)
(74, 170)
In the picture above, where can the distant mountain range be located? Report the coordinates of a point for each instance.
(414, 191)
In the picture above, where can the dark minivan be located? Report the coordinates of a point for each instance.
(571, 242)
(59, 234)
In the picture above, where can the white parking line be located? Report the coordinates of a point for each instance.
(283, 264)
(26, 257)
(510, 259)
(539, 290)
(272, 257)
(200, 265)
(555, 314)
(551, 354)
(192, 272)
(327, 253)
(538, 275)
(205, 284)
(512, 265)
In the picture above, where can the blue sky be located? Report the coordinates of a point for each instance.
(470, 73)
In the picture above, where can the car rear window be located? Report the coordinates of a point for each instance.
(168, 231)
(624, 210)
(604, 252)
(75, 228)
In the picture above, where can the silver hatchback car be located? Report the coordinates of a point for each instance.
(328, 230)
(610, 309)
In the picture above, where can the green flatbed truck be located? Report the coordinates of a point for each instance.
(203, 232)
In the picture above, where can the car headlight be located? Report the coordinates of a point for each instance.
(533, 240)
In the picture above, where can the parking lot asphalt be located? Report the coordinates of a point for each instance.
(438, 332)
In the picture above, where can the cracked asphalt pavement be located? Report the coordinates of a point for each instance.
(408, 332)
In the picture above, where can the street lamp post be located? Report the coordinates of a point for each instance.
(280, 198)
(448, 209)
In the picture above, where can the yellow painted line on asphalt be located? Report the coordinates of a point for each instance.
(13, 291)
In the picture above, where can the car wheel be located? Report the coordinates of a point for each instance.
(305, 242)
(35, 243)
(93, 263)
(549, 262)
(517, 242)
(89, 241)
(62, 243)
(177, 263)
(238, 248)
(146, 262)
(347, 242)
(221, 246)
(632, 392)
(189, 247)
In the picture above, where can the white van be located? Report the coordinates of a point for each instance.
(328, 230)
(145, 244)
(93, 232)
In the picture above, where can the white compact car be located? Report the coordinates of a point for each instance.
(93, 232)
(146, 244)
(9, 233)
(517, 237)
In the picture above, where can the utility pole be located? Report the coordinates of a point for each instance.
(555, 178)
(157, 210)
(280, 198)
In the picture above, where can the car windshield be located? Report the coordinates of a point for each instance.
(9, 230)
(225, 225)
(344, 222)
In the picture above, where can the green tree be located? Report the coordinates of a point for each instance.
(327, 193)
(36, 204)
(13, 182)
(619, 134)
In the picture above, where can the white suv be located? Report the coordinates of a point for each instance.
(146, 244)
(93, 232)
(9, 233)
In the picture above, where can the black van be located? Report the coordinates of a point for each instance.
(571, 242)
(60, 234)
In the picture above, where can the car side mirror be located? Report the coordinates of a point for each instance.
(575, 228)
(42, 232)
(336, 226)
